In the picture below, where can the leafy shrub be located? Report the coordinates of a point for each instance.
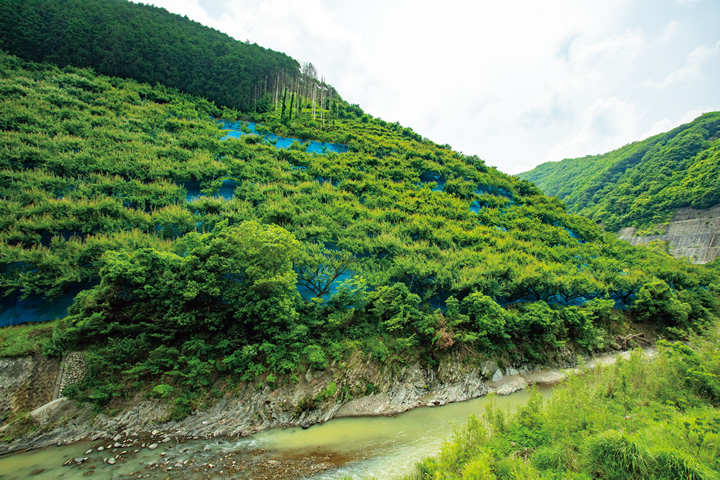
(316, 357)
(677, 465)
(162, 391)
(616, 456)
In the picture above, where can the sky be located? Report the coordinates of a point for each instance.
(515, 82)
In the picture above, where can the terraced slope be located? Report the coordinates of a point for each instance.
(195, 256)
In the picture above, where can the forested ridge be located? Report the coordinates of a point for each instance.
(148, 44)
(401, 248)
(640, 184)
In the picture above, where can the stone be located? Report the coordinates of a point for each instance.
(547, 378)
(153, 446)
(497, 375)
(111, 461)
(510, 384)
(488, 369)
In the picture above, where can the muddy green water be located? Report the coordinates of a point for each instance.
(364, 447)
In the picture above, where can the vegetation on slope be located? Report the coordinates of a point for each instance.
(642, 183)
(437, 251)
(26, 339)
(641, 418)
(148, 44)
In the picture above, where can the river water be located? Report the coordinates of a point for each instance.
(362, 447)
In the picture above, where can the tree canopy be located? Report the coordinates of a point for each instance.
(146, 43)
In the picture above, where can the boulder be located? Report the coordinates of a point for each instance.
(52, 412)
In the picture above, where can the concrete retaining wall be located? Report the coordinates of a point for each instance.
(691, 233)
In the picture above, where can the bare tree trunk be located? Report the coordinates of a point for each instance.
(322, 103)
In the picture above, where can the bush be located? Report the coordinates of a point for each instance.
(316, 357)
(657, 303)
(480, 468)
(616, 456)
(162, 391)
(677, 465)
(515, 468)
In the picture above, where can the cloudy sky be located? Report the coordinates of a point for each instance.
(516, 82)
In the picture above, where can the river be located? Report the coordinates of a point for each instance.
(361, 447)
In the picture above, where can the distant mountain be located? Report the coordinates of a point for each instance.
(643, 183)
(146, 43)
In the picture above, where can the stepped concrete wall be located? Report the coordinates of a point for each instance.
(691, 233)
(27, 383)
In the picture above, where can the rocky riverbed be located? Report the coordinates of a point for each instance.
(363, 387)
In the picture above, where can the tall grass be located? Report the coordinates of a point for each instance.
(638, 419)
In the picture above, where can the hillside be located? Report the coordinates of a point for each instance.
(148, 44)
(203, 251)
(644, 183)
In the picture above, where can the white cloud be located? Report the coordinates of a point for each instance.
(669, 33)
(623, 48)
(605, 125)
(658, 127)
(691, 70)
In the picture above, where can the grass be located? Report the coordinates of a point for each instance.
(641, 418)
(25, 339)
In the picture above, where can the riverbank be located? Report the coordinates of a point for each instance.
(360, 387)
(642, 418)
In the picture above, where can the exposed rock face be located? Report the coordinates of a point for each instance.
(691, 233)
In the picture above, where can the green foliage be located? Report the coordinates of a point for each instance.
(143, 42)
(641, 418)
(656, 302)
(616, 456)
(487, 320)
(316, 357)
(328, 392)
(641, 184)
(163, 390)
(27, 339)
